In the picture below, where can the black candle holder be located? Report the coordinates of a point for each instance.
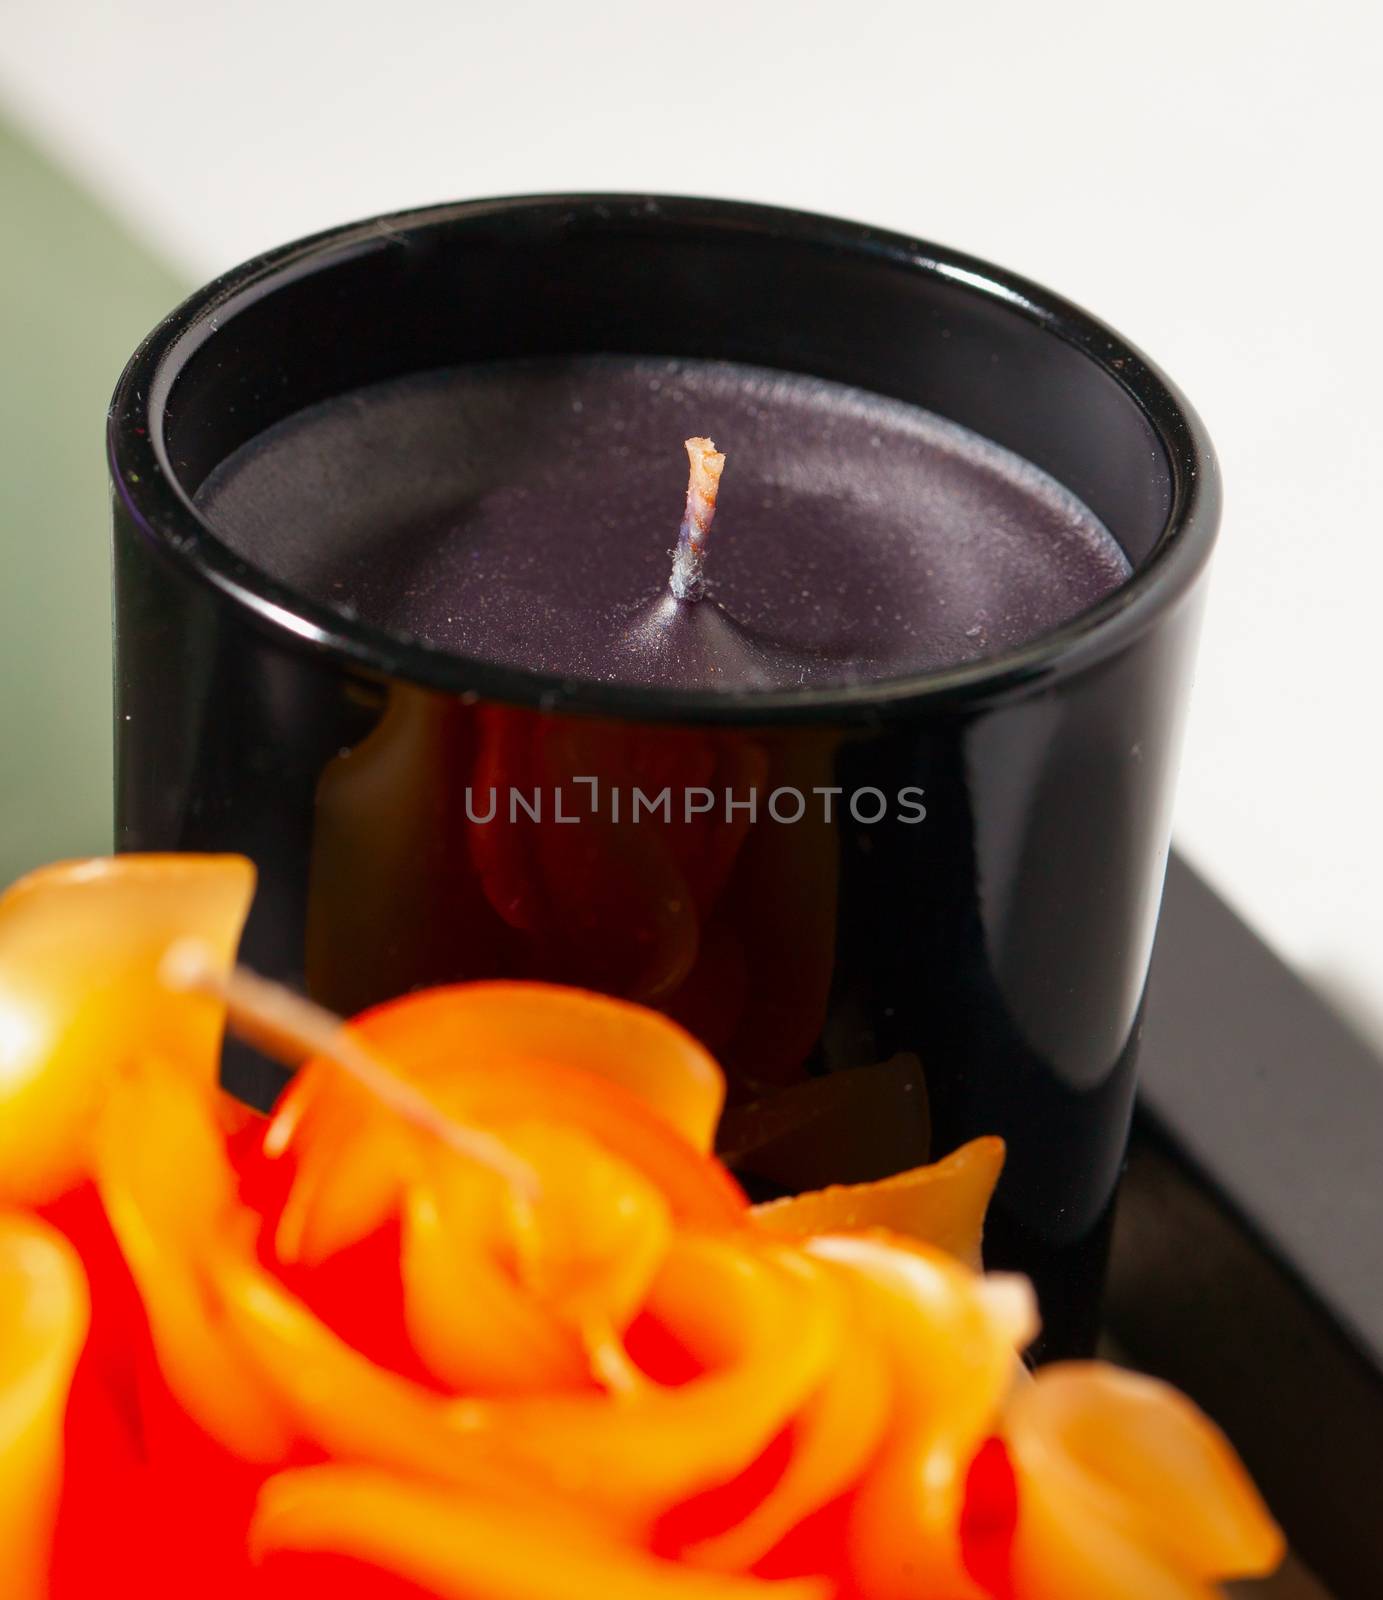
(981, 972)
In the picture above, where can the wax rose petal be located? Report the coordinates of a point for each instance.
(80, 948)
(832, 1439)
(590, 1241)
(1170, 1462)
(952, 1360)
(289, 1575)
(104, 1514)
(697, 1521)
(169, 1192)
(989, 1518)
(44, 1311)
(350, 1165)
(566, 1267)
(1064, 1549)
(465, 1547)
(1127, 1490)
(450, 1042)
(358, 1293)
(507, 1025)
(107, 1519)
(764, 1328)
(243, 1126)
(943, 1204)
(476, 1330)
(345, 1406)
(119, 1329)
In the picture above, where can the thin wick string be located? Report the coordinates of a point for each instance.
(292, 1028)
(706, 463)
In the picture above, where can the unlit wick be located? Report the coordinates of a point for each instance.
(688, 581)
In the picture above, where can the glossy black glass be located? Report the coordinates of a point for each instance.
(982, 972)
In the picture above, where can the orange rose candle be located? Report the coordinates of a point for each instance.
(476, 1315)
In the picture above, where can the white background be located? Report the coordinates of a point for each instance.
(1203, 175)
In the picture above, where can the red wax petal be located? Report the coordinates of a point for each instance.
(358, 1293)
(706, 1515)
(989, 1518)
(291, 1576)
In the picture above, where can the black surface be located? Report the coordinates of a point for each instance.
(1248, 1254)
(993, 956)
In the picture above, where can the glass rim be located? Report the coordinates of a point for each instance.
(147, 484)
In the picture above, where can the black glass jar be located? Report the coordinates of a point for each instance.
(981, 973)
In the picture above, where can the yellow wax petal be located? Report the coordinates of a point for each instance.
(503, 1024)
(943, 1204)
(834, 1436)
(473, 1326)
(44, 1312)
(766, 1326)
(80, 948)
(464, 1547)
(1120, 1477)
(951, 1346)
(169, 1193)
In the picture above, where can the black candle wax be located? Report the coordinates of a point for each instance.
(524, 512)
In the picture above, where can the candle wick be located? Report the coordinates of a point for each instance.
(291, 1028)
(688, 581)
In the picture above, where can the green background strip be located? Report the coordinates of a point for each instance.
(77, 293)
